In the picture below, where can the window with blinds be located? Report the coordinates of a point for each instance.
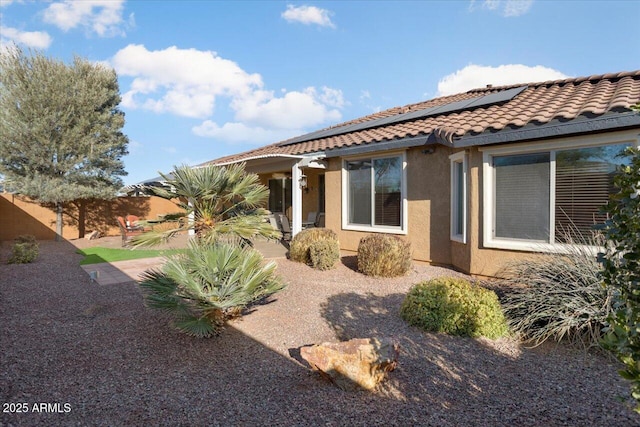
(522, 196)
(584, 181)
(375, 192)
(573, 184)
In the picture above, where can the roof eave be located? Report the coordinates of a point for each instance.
(394, 144)
(604, 123)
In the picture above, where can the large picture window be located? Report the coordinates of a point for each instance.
(547, 197)
(375, 193)
(522, 196)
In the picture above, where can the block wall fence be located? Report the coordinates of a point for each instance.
(20, 215)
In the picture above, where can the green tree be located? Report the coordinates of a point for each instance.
(621, 271)
(61, 129)
(224, 203)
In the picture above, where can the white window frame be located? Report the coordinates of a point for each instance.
(488, 175)
(458, 159)
(403, 228)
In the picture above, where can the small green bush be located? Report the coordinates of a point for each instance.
(299, 249)
(456, 307)
(324, 254)
(384, 255)
(24, 250)
(27, 238)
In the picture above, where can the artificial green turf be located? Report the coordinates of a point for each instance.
(97, 254)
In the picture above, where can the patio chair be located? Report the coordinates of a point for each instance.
(274, 222)
(286, 229)
(319, 220)
(127, 232)
(132, 222)
(311, 220)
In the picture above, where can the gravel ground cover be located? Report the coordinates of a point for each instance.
(98, 357)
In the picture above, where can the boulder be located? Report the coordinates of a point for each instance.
(360, 363)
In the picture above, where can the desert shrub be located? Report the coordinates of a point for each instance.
(301, 243)
(24, 250)
(209, 284)
(621, 271)
(556, 296)
(454, 306)
(384, 255)
(324, 254)
(27, 238)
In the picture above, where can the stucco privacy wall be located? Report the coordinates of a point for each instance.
(19, 215)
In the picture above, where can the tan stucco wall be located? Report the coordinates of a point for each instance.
(19, 215)
(311, 194)
(428, 178)
(428, 193)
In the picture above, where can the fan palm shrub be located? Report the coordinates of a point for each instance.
(209, 284)
(225, 203)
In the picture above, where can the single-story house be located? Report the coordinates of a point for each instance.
(471, 180)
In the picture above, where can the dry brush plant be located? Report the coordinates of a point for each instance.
(383, 255)
(557, 296)
(317, 247)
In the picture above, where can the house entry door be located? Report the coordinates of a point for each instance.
(280, 195)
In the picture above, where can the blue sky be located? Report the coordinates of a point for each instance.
(204, 79)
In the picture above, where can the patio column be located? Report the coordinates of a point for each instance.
(296, 199)
(192, 230)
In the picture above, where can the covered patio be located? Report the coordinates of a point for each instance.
(296, 184)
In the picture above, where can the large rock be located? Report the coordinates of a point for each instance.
(354, 364)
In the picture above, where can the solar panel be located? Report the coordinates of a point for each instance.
(479, 101)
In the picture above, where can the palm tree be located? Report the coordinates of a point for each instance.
(225, 203)
(216, 277)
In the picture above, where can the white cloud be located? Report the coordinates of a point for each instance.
(308, 15)
(33, 39)
(477, 76)
(135, 147)
(104, 17)
(294, 110)
(240, 133)
(365, 100)
(184, 82)
(507, 8)
(189, 83)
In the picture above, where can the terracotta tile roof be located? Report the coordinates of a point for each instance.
(538, 104)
